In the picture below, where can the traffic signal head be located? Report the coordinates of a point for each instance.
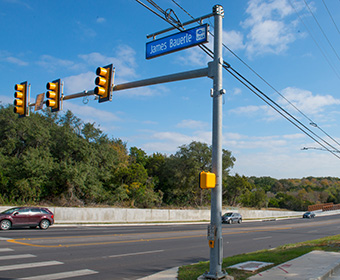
(20, 102)
(104, 83)
(207, 180)
(53, 95)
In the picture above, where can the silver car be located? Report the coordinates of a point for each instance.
(232, 217)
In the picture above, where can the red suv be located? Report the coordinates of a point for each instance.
(26, 216)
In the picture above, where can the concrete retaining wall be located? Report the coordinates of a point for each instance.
(127, 215)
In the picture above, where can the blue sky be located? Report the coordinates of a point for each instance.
(280, 39)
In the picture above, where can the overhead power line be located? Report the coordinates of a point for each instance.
(330, 15)
(268, 100)
(315, 41)
(323, 32)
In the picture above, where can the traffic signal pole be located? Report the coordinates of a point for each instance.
(198, 73)
(215, 227)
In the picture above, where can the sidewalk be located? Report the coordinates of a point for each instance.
(316, 265)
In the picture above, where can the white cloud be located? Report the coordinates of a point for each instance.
(192, 124)
(287, 165)
(249, 110)
(306, 102)
(52, 63)
(100, 20)
(89, 114)
(168, 142)
(269, 36)
(17, 61)
(195, 56)
(8, 57)
(233, 40)
(78, 83)
(269, 33)
(4, 99)
(124, 60)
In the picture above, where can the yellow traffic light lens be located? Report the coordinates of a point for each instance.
(18, 102)
(18, 94)
(99, 91)
(100, 81)
(51, 86)
(19, 87)
(51, 94)
(101, 71)
(50, 103)
(19, 110)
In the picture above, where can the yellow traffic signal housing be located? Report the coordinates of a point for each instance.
(20, 101)
(207, 180)
(54, 95)
(104, 83)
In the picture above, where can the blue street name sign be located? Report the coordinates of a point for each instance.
(178, 41)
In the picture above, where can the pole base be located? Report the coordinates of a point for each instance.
(222, 275)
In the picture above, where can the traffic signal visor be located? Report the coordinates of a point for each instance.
(53, 95)
(207, 180)
(20, 99)
(104, 82)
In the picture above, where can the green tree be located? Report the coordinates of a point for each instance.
(234, 187)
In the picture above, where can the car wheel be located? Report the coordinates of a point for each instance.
(240, 221)
(44, 224)
(5, 224)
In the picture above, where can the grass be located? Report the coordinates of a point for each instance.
(276, 256)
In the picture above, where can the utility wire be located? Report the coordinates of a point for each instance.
(259, 76)
(265, 97)
(267, 83)
(151, 10)
(255, 90)
(323, 32)
(315, 41)
(331, 16)
(279, 109)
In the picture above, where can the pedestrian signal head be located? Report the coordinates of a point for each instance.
(207, 180)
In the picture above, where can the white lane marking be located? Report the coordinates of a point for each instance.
(4, 238)
(260, 238)
(138, 253)
(28, 265)
(61, 275)
(13, 257)
(6, 250)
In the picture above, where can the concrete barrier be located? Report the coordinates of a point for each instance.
(128, 215)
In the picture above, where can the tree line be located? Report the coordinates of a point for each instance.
(57, 159)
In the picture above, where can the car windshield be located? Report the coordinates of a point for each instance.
(10, 211)
(227, 214)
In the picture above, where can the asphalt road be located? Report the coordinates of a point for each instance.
(132, 252)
